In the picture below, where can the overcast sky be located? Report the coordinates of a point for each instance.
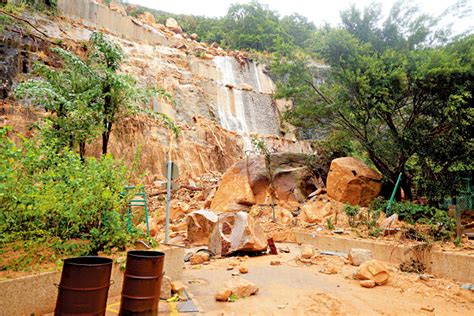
(318, 11)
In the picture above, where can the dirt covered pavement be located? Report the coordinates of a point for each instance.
(324, 287)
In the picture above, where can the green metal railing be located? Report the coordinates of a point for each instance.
(139, 199)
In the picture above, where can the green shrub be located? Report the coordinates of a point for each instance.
(55, 198)
(351, 212)
(442, 226)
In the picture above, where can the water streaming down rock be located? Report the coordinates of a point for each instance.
(244, 111)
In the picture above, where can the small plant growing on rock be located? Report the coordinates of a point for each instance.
(351, 212)
(330, 224)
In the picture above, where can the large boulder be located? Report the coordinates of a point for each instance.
(247, 182)
(236, 232)
(173, 25)
(147, 17)
(200, 225)
(352, 181)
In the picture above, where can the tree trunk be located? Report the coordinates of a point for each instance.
(106, 137)
(405, 185)
(82, 150)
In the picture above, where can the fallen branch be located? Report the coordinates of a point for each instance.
(26, 21)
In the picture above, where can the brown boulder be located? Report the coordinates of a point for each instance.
(247, 182)
(234, 192)
(238, 287)
(359, 256)
(352, 181)
(236, 232)
(373, 270)
(367, 283)
(223, 295)
(147, 17)
(198, 258)
(200, 225)
(319, 210)
(307, 251)
(173, 25)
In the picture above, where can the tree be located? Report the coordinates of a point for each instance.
(397, 101)
(86, 97)
(72, 95)
(253, 26)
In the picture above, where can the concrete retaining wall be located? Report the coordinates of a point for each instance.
(102, 17)
(36, 294)
(459, 267)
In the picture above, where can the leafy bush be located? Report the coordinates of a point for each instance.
(442, 226)
(351, 212)
(53, 198)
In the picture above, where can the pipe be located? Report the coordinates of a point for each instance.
(393, 194)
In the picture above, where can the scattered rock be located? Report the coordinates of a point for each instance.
(223, 295)
(165, 292)
(329, 270)
(117, 8)
(243, 270)
(200, 225)
(193, 36)
(235, 273)
(389, 221)
(177, 287)
(307, 251)
(373, 270)
(246, 87)
(283, 216)
(238, 287)
(179, 227)
(230, 268)
(173, 25)
(147, 17)
(358, 256)
(352, 181)
(428, 308)
(284, 249)
(237, 232)
(178, 209)
(199, 257)
(367, 283)
(275, 263)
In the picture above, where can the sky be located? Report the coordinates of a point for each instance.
(318, 11)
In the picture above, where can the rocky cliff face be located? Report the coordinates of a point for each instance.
(222, 98)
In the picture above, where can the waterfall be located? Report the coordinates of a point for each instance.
(230, 104)
(244, 111)
(257, 77)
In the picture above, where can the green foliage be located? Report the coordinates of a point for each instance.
(86, 97)
(391, 90)
(249, 26)
(72, 95)
(375, 232)
(351, 212)
(53, 199)
(233, 298)
(330, 224)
